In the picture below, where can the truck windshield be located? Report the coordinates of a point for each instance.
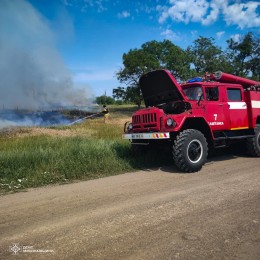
(193, 92)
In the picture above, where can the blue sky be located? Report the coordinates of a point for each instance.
(92, 35)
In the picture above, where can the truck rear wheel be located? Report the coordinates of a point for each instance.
(190, 150)
(253, 144)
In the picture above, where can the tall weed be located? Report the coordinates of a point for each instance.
(94, 150)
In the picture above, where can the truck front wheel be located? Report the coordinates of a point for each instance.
(190, 150)
(253, 144)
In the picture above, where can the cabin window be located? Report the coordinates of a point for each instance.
(212, 94)
(194, 93)
(234, 94)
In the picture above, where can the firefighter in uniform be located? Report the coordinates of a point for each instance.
(105, 112)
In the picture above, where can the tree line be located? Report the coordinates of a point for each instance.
(240, 58)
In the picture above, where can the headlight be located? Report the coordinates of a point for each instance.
(170, 122)
(129, 127)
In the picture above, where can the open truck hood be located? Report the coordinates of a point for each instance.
(158, 87)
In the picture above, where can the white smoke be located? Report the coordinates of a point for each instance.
(32, 72)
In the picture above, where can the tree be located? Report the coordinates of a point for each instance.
(127, 95)
(168, 56)
(206, 57)
(119, 93)
(240, 58)
(245, 55)
(133, 94)
(152, 55)
(254, 63)
(101, 100)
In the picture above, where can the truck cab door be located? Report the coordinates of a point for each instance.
(237, 108)
(215, 109)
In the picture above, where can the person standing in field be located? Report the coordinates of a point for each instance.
(105, 112)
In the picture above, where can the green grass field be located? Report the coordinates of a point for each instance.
(32, 157)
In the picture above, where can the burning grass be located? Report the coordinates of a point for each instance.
(90, 128)
(32, 157)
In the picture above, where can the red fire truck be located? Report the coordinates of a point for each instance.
(198, 115)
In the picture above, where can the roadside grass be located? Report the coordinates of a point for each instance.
(32, 157)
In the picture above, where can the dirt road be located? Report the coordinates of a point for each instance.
(151, 214)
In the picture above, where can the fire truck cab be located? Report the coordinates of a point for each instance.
(201, 114)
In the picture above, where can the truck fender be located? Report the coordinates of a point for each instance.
(200, 124)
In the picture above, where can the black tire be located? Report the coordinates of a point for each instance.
(253, 144)
(190, 150)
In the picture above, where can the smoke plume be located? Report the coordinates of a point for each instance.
(32, 72)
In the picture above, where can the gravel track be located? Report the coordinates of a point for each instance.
(150, 214)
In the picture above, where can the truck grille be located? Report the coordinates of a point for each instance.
(146, 118)
(136, 119)
(145, 122)
(149, 118)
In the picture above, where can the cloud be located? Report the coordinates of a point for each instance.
(123, 14)
(220, 34)
(170, 35)
(213, 13)
(99, 5)
(236, 37)
(184, 11)
(244, 15)
(194, 33)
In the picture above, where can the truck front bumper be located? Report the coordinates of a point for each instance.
(140, 136)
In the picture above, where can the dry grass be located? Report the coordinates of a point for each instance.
(35, 156)
(86, 129)
(21, 132)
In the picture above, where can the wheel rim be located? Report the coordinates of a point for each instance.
(194, 151)
(258, 140)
